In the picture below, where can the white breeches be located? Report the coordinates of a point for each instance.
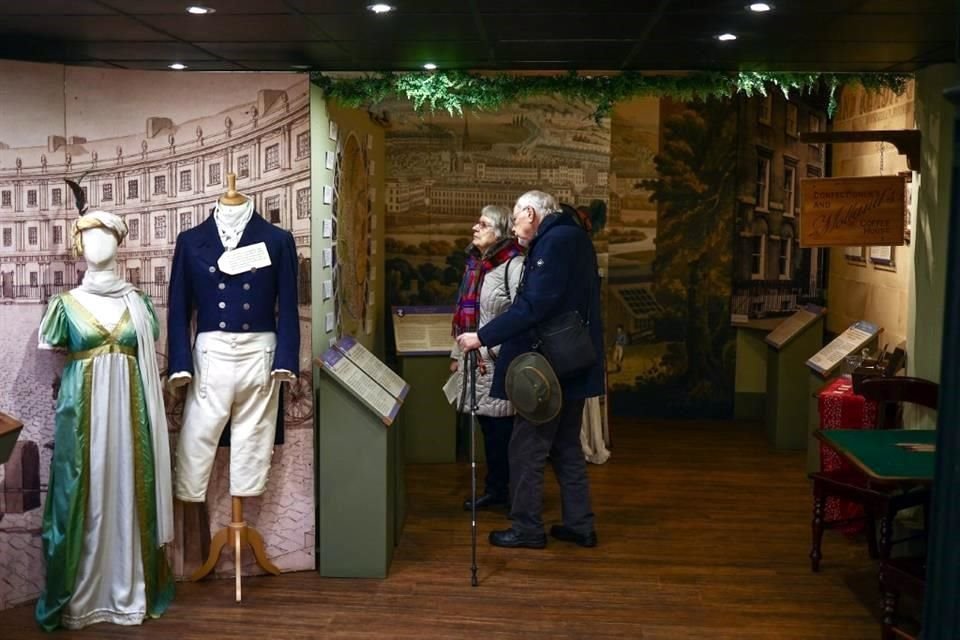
(231, 382)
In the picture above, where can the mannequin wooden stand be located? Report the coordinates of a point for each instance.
(235, 533)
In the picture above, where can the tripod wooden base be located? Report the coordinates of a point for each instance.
(235, 534)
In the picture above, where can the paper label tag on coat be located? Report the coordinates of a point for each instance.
(242, 259)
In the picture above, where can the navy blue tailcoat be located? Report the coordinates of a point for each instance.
(263, 299)
(560, 274)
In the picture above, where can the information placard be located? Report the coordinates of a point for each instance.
(373, 367)
(793, 326)
(369, 381)
(856, 337)
(423, 331)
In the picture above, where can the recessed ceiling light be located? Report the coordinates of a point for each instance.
(198, 10)
(380, 7)
(429, 66)
(726, 37)
(760, 7)
(301, 67)
(178, 66)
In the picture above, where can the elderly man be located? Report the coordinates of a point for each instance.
(560, 275)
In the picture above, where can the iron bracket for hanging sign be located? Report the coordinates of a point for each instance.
(907, 141)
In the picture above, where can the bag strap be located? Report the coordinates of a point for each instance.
(506, 278)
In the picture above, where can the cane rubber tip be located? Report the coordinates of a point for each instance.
(474, 582)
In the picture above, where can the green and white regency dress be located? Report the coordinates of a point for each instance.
(104, 560)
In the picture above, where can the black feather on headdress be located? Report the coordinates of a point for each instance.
(78, 195)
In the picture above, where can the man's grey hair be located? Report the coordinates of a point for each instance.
(500, 217)
(541, 202)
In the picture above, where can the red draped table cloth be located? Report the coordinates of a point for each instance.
(841, 408)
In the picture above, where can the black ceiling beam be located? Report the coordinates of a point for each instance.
(316, 28)
(482, 30)
(144, 23)
(645, 34)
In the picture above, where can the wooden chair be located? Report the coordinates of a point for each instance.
(900, 576)
(881, 501)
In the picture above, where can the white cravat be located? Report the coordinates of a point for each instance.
(231, 221)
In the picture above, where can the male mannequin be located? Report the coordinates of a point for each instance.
(109, 506)
(247, 342)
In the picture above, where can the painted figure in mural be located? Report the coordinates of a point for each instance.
(560, 275)
(238, 273)
(109, 507)
(490, 282)
(619, 342)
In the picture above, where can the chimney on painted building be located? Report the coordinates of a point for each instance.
(157, 125)
(267, 98)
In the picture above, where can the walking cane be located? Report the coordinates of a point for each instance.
(472, 365)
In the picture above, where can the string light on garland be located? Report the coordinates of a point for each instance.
(456, 91)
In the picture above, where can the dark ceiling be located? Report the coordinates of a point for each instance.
(807, 35)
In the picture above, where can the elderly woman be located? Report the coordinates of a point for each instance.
(494, 267)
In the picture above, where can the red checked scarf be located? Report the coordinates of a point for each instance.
(467, 314)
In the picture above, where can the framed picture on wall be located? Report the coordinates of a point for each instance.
(882, 256)
(855, 254)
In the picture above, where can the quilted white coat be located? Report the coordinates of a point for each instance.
(494, 300)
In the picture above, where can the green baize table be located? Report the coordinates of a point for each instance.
(877, 454)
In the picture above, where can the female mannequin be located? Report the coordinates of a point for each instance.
(109, 508)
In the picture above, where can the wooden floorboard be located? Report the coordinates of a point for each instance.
(704, 534)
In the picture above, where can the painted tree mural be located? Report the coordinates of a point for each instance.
(695, 192)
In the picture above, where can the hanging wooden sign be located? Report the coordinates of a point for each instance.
(847, 212)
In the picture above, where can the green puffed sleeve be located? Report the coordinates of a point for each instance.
(154, 322)
(53, 328)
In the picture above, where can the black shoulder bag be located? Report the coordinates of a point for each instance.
(565, 342)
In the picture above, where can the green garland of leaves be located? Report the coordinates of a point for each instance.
(455, 91)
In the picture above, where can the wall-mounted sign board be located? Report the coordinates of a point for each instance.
(848, 212)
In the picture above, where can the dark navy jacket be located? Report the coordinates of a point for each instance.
(263, 299)
(560, 275)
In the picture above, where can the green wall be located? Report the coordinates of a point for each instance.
(935, 120)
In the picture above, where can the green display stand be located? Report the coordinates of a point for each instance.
(750, 380)
(429, 422)
(788, 405)
(359, 486)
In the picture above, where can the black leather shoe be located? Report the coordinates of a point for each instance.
(512, 540)
(486, 501)
(566, 534)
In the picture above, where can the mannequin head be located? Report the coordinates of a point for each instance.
(96, 236)
(100, 248)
